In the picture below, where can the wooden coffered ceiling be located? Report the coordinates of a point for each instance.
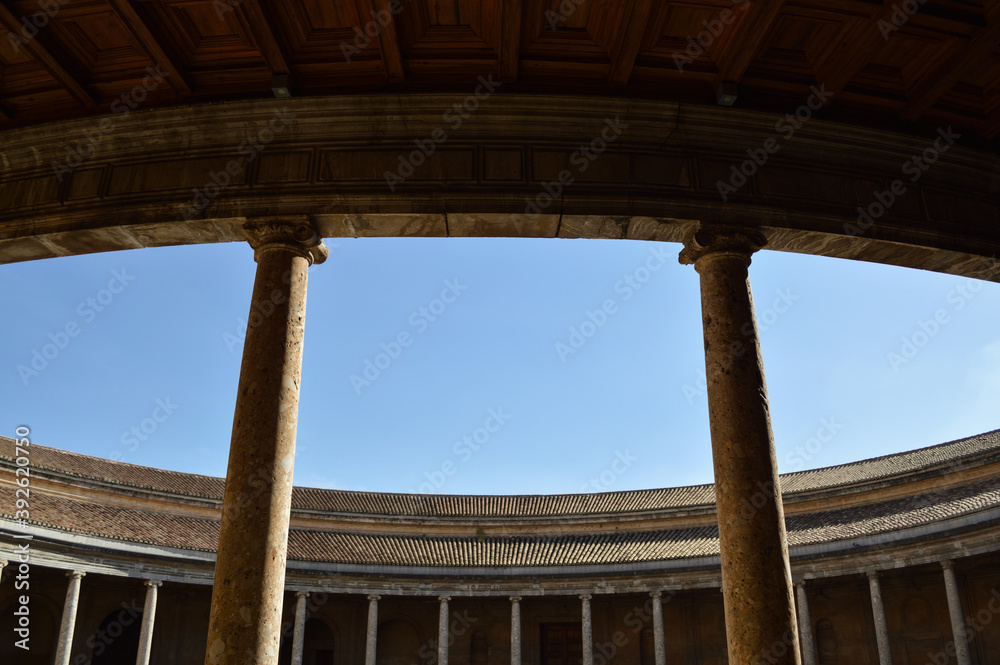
(886, 68)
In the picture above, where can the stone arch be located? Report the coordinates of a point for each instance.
(116, 640)
(826, 643)
(398, 643)
(44, 632)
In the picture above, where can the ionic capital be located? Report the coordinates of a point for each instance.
(153, 583)
(655, 594)
(75, 574)
(948, 564)
(301, 594)
(444, 599)
(515, 599)
(295, 234)
(374, 599)
(720, 241)
(585, 597)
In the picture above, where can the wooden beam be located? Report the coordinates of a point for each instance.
(260, 29)
(747, 39)
(960, 57)
(48, 60)
(134, 24)
(628, 41)
(510, 40)
(388, 42)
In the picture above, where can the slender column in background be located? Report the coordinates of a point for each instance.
(148, 618)
(443, 630)
(515, 630)
(805, 625)
(372, 637)
(756, 576)
(878, 613)
(65, 645)
(299, 632)
(659, 639)
(588, 631)
(245, 619)
(955, 610)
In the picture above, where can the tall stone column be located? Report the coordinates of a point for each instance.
(443, 630)
(805, 625)
(515, 630)
(299, 632)
(878, 613)
(955, 610)
(756, 577)
(245, 620)
(372, 637)
(148, 618)
(64, 646)
(3, 564)
(588, 631)
(659, 639)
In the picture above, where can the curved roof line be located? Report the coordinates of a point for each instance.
(891, 469)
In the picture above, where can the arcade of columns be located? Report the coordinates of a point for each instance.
(249, 584)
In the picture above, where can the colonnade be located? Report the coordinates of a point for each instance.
(804, 623)
(248, 588)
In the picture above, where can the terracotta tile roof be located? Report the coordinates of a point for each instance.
(485, 550)
(940, 458)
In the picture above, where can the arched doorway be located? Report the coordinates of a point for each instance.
(116, 641)
(318, 645)
(398, 644)
(43, 637)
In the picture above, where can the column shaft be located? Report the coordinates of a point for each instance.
(443, 630)
(878, 613)
(955, 610)
(65, 645)
(588, 634)
(659, 639)
(515, 630)
(372, 638)
(805, 627)
(148, 619)
(299, 632)
(245, 620)
(756, 576)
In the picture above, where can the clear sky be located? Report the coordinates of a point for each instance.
(157, 336)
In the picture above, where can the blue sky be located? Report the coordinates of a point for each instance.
(483, 399)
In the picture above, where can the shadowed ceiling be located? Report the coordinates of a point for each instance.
(887, 68)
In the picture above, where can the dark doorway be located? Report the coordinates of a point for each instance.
(562, 644)
(116, 641)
